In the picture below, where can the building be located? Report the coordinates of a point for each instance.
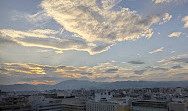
(73, 104)
(105, 106)
(40, 103)
(149, 106)
(49, 107)
(101, 106)
(178, 106)
(14, 103)
(103, 96)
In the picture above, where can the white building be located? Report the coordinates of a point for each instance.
(39, 103)
(103, 96)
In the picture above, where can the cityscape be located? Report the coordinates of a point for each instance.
(127, 99)
(93, 55)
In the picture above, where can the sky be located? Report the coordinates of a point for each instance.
(49, 41)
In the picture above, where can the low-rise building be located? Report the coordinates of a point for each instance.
(178, 106)
(73, 104)
(15, 103)
(149, 106)
(105, 106)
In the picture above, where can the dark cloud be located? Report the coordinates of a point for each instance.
(48, 68)
(2, 69)
(86, 73)
(157, 68)
(119, 77)
(61, 67)
(6, 41)
(136, 62)
(101, 47)
(41, 78)
(111, 70)
(184, 60)
(134, 77)
(160, 68)
(101, 78)
(139, 71)
(176, 67)
(182, 74)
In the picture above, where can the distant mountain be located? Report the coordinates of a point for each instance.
(77, 84)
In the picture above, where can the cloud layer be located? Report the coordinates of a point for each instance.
(165, 1)
(99, 23)
(185, 19)
(49, 39)
(11, 73)
(175, 34)
(157, 50)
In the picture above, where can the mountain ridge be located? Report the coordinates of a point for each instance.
(77, 84)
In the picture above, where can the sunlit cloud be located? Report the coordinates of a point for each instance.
(166, 18)
(48, 39)
(38, 33)
(46, 82)
(175, 34)
(173, 58)
(157, 50)
(93, 23)
(33, 73)
(37, 19)
(185, 19)
(165, 1)
(36, 74)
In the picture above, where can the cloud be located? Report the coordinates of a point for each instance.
(159, 68)
(157, 50)
(174, 58)
(4, 40)
(184, 60)
(175, 34)
(136, 62)
(165, 1)
(37, 19)
(11, 73)
(86, 73)
(48, 39)
(139, 71)
(185, 19)
(111, 70)
(166, 18)
(93, 22)
(38, 33)
(35, 72)
(35, 82)
(176, 67)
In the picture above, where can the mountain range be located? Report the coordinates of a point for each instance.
(77, 84)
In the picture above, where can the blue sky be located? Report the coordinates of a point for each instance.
(48, 41)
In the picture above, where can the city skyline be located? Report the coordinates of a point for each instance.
(49, 41)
